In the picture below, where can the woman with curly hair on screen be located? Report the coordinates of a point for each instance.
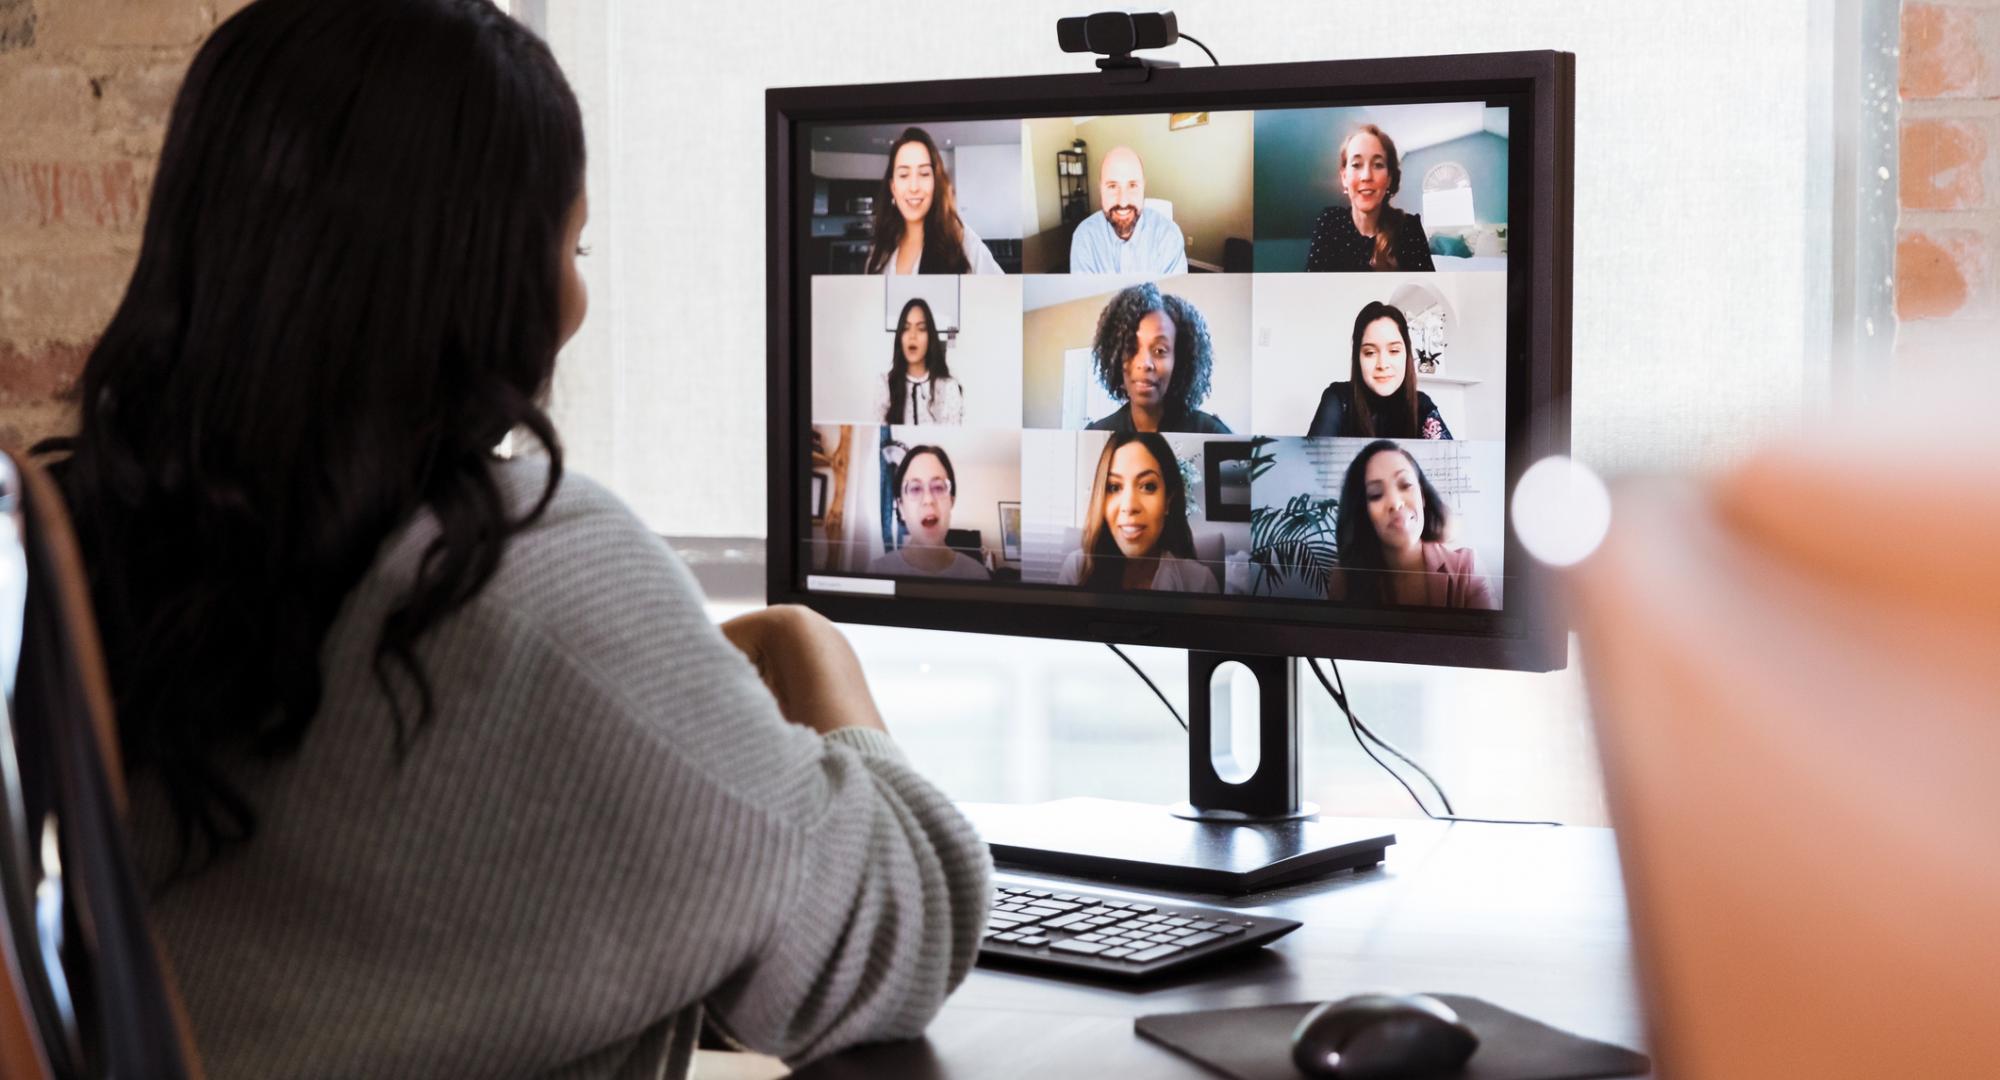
(1153, 353)
(1135, 533)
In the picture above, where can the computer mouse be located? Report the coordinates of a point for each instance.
(1381, 1037)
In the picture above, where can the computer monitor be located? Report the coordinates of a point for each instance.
(1244, 360)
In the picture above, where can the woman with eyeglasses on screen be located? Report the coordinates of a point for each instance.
(1135, 532)
(919, 389)
(926, 486)
(917, 229)
(1380, 395)
(438, 765)
(1368, 233)
(1390, 531)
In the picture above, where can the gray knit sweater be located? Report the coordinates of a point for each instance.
(606, 829)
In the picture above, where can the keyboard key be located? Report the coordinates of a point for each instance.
(1067, 897)
(1040, 912)
(1008, 937)
(1199, 924)
(1179, 922)
(1143, 909)
(1083, 948)
(1088, 937)
(1038, 893)
(1202, 938)
(1154, 953)
(1032, 941)
(1115, 954)
(1229, 930)
(1059, 905)
(1065, 923)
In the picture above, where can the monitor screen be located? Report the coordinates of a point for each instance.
(1169, 365)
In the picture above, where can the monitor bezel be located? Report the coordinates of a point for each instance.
(1530, 637)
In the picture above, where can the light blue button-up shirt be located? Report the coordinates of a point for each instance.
(1156, 247)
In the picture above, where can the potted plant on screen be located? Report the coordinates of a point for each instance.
(1294, 541)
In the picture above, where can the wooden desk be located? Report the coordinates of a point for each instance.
(1528, 917)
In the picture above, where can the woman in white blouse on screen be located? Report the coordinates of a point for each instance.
(917, 227)
(919, 388)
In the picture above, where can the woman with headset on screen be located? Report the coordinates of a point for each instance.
(917, 229)
(919, 388)
(926, 486)
(1380, 395)
(1368, 233)
(1135, 532)
(1390, 532)
(368, 675)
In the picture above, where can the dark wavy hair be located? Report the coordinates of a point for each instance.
(1390, 223)
(1394, 416)
(1103, 565)
(934, 360)
(944, 233)
(1354, 531)
(346, 294)
(1118, 335)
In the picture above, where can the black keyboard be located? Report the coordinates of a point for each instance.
(1055, 928)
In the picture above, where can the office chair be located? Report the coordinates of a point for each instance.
(84, 991)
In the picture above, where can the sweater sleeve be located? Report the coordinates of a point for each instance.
(847, 894)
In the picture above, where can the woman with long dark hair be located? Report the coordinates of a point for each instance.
(1135, 532)
(1369, 233)
(1391, 530)
(1379, 397)
(917, 229)
(437, 759)
(919, 388)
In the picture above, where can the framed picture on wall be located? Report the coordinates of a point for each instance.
(1226, 479)
(819, 485)
(1010, 531)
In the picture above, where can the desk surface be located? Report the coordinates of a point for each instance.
(1531, 918)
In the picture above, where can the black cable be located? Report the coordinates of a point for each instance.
(1149, 684)
(1204, 48)
(1354, 727)
(1341, 700)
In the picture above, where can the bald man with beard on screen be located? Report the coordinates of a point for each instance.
(1125, 239)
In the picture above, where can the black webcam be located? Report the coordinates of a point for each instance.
(1116, 34)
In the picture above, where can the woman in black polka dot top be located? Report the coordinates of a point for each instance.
(1368, 233)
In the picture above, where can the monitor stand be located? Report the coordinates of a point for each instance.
(1243, 828)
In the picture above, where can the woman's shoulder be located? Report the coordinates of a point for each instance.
(1072, 569)
(1449, 559)
(1183, 575)
(1331, 217)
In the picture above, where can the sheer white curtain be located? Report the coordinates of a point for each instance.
(1702, 209)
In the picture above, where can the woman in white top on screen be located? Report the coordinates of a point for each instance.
(919, 388)
(917, 227)
(1136, 534)
(926, 486)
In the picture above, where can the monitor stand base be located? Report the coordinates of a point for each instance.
(1142, 844)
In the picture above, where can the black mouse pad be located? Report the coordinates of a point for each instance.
(1256, 1044)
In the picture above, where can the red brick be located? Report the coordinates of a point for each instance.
(1943, 164)
(62, 295)
(17, 24)
(22, 426)
(40, 374)
(82, 24)
(1942, 52)
(71, 193)
(1938, 272)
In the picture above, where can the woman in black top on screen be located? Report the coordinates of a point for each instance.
(1153, 353)
(1380, 397)
(1368, 233)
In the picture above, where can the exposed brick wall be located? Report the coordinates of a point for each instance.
(1948, 236)
(85, 88)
